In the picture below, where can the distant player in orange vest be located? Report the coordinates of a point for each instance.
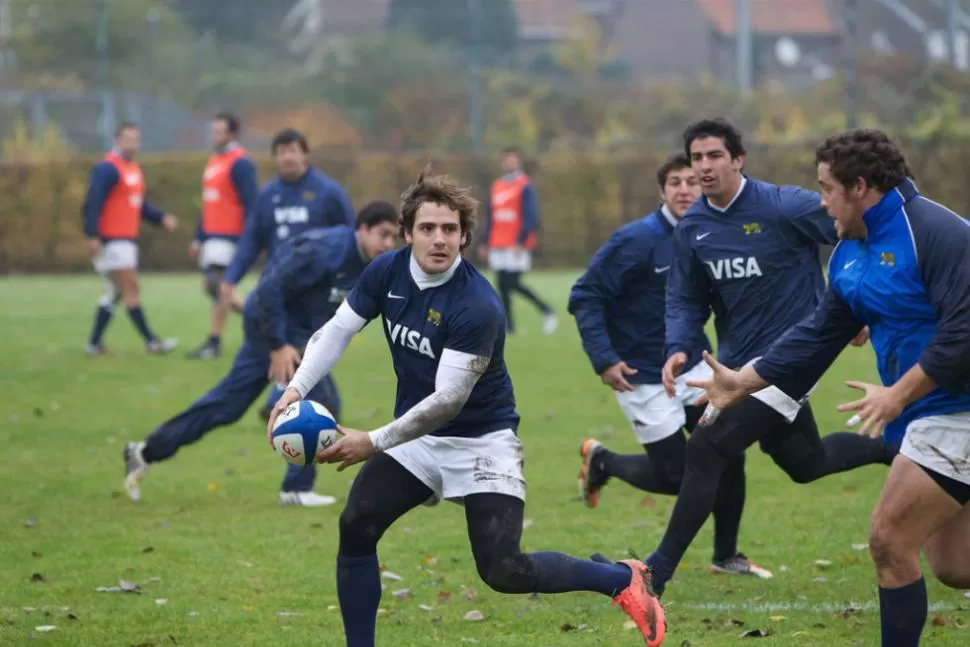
(511, 222)
(229, 188)
(113, 209)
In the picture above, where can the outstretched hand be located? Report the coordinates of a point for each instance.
(876, 409)
(725, 387)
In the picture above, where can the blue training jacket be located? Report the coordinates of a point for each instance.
(909, 281)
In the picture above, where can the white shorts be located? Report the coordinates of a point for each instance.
(940, 444)
(454, 467)
(779, 400)
(652, 414)
(509, 259)
(116, 255)
(216, 252)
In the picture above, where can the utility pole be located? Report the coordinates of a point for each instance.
(474, 75)
(851, 44)
(106, 125)
(743, 42)
(952, 25)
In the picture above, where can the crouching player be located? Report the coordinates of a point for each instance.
(300, 289)
(454, 433)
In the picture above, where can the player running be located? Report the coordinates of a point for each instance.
(900, 269)
(300, 289)
(454, 433)
(749, 251)
(618, 304)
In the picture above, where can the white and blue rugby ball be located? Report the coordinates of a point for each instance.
(302, 430)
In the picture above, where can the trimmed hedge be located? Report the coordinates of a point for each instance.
(582, 198)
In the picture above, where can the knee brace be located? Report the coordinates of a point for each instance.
(110, 297)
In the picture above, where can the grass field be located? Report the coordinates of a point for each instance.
(220, 563)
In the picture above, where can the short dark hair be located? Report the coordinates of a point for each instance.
(443, 190)
(720, 128)
(125, 125)
(288, 136)
(375, 212)
(512, 150)
(867, 153)
(674, 162)
(232, 121)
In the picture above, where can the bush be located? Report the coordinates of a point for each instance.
(582, 198)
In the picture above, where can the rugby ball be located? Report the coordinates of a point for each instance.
(302, 430)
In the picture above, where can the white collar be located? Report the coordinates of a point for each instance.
(744, 181)
(425, 280)
(669, 215)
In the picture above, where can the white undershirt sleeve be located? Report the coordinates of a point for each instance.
(325, 348)
(455, 378)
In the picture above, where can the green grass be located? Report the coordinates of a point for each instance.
(210, 538)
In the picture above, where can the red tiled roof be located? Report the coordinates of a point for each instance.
(774, 16)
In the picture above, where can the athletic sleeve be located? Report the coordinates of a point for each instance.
(339, 208)
(600, 285)
(942, 246)
(301, 266)
(367, 296)
(801, 356)
(253, 240)
(688, 300)
(151, 213)
(474, 329)
(326, 347)
(530, 213)
(804, 213)
(103, 178)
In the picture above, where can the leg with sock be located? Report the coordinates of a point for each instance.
(504, 279)
(525, 291)
(798, 449)
(102, 316)
(382, 492)
(912, 509)
(709, 452)
(495, 530)
(219, 312)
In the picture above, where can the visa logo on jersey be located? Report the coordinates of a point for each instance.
(291, 215)
(734, 268)
(410, 339)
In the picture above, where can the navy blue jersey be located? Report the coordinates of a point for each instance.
(756, 266)
(909, 281)
(619, 304)
(302, 287)
(285, 209)
(463, 314)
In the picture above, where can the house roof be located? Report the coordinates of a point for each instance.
(790, 17)
(545, 18)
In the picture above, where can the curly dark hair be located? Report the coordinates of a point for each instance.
(442, 190)
(720, 128)
(674, 162)
(865, 153)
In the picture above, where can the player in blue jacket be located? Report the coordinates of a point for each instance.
(301, 198)
(454, 433)
(300, 289)
(749, 252)
(901, 269)
(618, 304)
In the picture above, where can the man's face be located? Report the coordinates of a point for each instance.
(718, 174)
(219, 133)
(128, 142)
(680, 190)
(436, 238)
(378, 239)
(511, 163)
(843, 204)
(291, 161)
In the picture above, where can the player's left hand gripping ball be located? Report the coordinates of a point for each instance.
(353, 447)
(302, 430)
